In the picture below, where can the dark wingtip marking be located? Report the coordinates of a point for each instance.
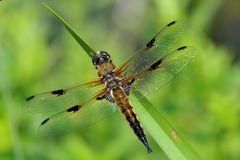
(73, 109)
(59, 92)
(150, 43)
(29, 98)
(45, 121)
(173, 22)
(181, 48)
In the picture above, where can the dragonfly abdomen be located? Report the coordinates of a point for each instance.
(135, 125)
(123, 103)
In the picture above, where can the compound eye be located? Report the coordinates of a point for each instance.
(97, 61)
(93, 61)
(105, 56)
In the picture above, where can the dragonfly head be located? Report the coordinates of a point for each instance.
(101, 57)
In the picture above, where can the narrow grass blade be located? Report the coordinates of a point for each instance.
(162, 131)
(83, 44)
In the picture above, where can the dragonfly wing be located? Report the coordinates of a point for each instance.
(77, 116)
(58, 99)
(156, 48)
(162, 70)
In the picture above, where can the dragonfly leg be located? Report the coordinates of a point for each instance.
(106, 96)
(127, 87)
(109, 98)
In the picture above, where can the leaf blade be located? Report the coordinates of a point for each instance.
(83, 44)
(164, 133)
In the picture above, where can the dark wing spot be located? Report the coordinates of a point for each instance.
(132, 81)
(150, 43)
(155, 65)
(173, 22)
(100, 98)
(58, 92)
(181, 48)
(73, 109)
(45, 121)
(29, 98)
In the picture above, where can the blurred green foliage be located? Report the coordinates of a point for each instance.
(37, 54)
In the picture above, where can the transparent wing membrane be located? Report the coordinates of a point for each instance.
(78, 116)
(58, 99)
(83, 104)
(162, 70)
(156, 48)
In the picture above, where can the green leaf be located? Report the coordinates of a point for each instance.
(162, 131)
(83, 44)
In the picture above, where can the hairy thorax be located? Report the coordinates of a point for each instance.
(105, 68)
(107, 74)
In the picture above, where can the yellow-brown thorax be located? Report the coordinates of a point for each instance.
(105, 68)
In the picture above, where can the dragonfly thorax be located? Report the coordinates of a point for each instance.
(108, 76)
(112, 84)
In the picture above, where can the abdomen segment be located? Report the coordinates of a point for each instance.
(126, 108)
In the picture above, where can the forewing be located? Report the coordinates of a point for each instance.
(156, 48)
(58, 99)
(162, 70)
(77, 116)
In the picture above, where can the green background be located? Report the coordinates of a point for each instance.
(37, 54)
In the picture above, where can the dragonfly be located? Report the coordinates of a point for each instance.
(147, 70)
